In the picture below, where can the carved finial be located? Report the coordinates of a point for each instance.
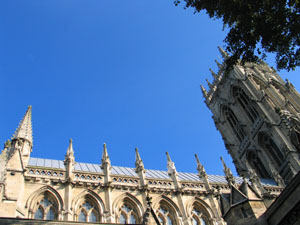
(137, 155)
(7, 144)
(288, 84)
(228, 173)
(24, 129)
(204, 92)
(200, 167)
(168, 157)
(69, 157)
(170, 165)
(220, 66)
(223, 53)
(105, 157)
(138, 161)
(215, 76)
(70, 148)
(209, 84)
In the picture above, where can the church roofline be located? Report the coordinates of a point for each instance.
(130, 172)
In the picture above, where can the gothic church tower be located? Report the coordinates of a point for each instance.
(258, 116)
(13, 161)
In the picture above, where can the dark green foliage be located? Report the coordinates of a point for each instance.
(257, 27)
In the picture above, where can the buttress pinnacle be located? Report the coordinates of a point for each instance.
(105, 157)
(204, 92)
(228, 173)
(70, 148)
(200, 167)
(24, 129)
(139, 165)
(170, 165)
(223, 53)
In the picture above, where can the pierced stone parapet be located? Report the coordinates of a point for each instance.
(160, 183)
(88, 177)
(125, 180)
(192, 185)
(45, 172)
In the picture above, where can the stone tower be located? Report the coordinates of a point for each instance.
(13, 161)
(257, 114)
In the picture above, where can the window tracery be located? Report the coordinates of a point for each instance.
(233, 122)
(127, 214)
(165, 215)
(245, 103)
(46, 208)
(268, 144)
(88, 211)
(199, 216)
(256, 164)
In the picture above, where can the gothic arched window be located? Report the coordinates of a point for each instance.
(88, 211)
(199, 215)
(233, 122)
(267, 143)
(46, 208)
(128, 214)
(256, 164)
(245, 103)
(166, 215)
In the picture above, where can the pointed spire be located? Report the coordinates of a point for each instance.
(223, 53)
(70, 160)
(220, 66)
(215, 76)
(70, 150)
(170, 165)
(228, 173)
(139, 165)
(209, 84)
(24, 129)
(200, 167)
(168, 157)
(204, 92)
(137, 155)
(105, 157)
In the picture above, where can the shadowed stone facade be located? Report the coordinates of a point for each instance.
(257, 115)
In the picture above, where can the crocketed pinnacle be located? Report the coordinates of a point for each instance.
(215, 76)
(209, 84)
(204, 92)
(220, 66)
(223, 53)
(168, 157)
(228, 173)
(105, 157)
(24, 129)
(200, 167)
(138, 161)
(70, 150)
(170, 165)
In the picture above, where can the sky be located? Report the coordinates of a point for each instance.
(124, 73)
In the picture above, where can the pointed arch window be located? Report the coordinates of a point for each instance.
(233, 122)
(245, 103)
(270, 147)
(199, 215)
(127, 213)
(256, 164)
(46, 208)
(166, 215)
(88, 211)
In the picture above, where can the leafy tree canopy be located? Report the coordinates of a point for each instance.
(257, 27)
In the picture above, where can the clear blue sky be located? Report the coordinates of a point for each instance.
(122, 72)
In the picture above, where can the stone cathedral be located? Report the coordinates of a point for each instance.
(258, 116)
